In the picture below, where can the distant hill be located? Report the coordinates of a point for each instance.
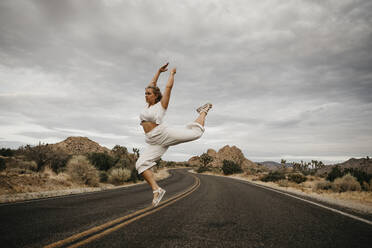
(79, 145)
(272, 165)
(357, 163)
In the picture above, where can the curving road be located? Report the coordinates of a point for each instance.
(198, 211)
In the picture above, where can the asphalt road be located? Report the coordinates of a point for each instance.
(218, 212)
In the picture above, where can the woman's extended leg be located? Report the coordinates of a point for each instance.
(192, 131)
(201, 118)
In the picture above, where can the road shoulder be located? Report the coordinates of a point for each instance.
(358, 209)
(21, 197)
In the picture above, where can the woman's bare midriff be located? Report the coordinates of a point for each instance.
(148, 126)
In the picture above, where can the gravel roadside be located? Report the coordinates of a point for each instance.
(8, 198)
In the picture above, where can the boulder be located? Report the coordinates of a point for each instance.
(232, 153)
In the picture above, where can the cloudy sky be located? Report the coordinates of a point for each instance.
(288, 79)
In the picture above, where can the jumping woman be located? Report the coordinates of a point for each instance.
(159, 136)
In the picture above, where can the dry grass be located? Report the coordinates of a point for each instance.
(283, 183)
(33, 185)
(118, 176)
(81, 171)
(357, 196)
(12, 182)
(346, 183)
(320, 186)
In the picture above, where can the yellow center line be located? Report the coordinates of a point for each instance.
(141, 213)
(110, 230)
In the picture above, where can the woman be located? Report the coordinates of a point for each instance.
(159, 136)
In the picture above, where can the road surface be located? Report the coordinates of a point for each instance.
(197, 211)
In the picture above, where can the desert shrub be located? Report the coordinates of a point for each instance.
(310, 172)
(297, 178)
(324, 185)
(170, 164)
(119, 175)
(202, 169)
(102, 161)
(273, 176)
(366, 186)
(230, 167)
(159, 164)
(346, 183)
(41, 154)
(370, 185)
(123, 163)
(283, 183)
(103, 176)
(360, 175)
(81, 171)
(185, 164)
(19, 165)
(58, 161)
(27, 165)
(122, 158)
(335, 173)
(6, 152)
(134, 176)
(2, 164)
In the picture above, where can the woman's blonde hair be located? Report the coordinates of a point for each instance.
(156, 91)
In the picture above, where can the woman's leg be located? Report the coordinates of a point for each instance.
(149, 177)
(147, 159)
(192, 131)
(201, 118)
(158, 192)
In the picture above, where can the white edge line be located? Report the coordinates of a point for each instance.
(299, 198)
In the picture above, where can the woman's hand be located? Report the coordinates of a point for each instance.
(164, 67)
(173, 71)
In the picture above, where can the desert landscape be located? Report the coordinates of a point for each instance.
(79, 164)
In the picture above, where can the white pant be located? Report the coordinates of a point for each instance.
(161, 137)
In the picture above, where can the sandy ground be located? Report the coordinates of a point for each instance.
(5, 198)
(357, 201)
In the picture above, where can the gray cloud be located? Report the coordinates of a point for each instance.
(293, 73)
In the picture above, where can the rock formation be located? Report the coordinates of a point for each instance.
(79, 145)
(364, 164)
(229, 153)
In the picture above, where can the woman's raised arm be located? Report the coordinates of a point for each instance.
(168, 89)
(155, 78)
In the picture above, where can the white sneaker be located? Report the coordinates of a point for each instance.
(205, 108)
(157, 199)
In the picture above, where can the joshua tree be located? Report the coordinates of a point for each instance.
(119, 151)
(283, 161)
(136, 152)
(41, 154)
(205, 159)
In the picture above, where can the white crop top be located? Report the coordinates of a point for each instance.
(154, 113)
